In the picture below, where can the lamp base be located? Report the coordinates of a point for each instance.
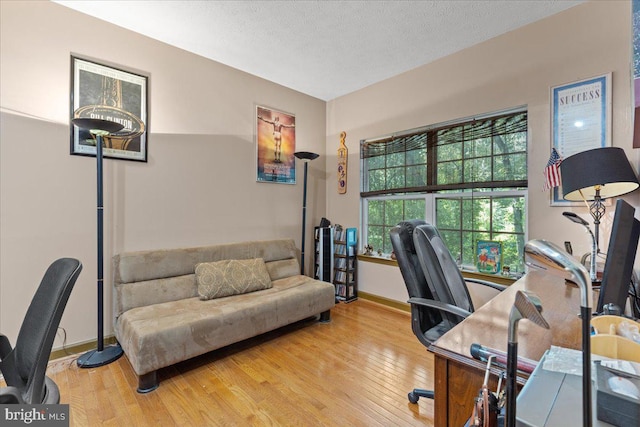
(95, 358)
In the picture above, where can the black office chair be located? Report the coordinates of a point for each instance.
(437, 291)
(24, 367)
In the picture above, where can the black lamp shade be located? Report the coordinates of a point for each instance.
(306, 155)
(97, 124)
(607, 167)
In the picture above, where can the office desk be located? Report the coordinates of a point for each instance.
(458, 376)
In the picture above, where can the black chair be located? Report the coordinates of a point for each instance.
(24, 367)
(437, 291)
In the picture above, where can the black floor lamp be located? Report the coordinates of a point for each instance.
(306, 156)
(102, 355)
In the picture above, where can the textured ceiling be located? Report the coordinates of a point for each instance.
(322, 48)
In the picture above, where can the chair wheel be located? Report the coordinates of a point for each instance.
(413, 398)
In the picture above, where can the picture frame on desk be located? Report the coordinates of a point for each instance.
(489, 256)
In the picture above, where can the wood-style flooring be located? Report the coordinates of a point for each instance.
(354, 371)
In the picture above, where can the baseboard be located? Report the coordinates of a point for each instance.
(62, 358)
(80, 348)
(385, 301)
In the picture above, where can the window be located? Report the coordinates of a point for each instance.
(468, 178)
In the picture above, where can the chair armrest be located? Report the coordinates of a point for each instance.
(493, 285)
(5, 346)
(10, 395)
(439, 305)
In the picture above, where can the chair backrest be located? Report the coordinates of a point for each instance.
(441, 271)
(25, 367)
(422, 318)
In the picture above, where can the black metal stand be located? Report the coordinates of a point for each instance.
(101, 356)
(585, 313)
(304, 217)
(307, 156)
(512, 368)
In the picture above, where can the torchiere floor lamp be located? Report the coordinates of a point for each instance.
(307, 157)
(102, 355)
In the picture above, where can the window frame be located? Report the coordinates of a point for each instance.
(433, 191)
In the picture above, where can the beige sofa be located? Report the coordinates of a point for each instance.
(160, 318)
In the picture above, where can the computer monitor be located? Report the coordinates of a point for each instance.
(621, 254)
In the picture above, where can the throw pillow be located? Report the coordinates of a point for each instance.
(231, 277)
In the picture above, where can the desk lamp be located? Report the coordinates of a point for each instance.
(101, 356)
(546, 256)
(594, 175)
(306, 156)
(594, 246)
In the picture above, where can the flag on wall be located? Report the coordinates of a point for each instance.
(552, 171)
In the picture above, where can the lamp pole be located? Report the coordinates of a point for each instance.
(307, 157)
(101, 356)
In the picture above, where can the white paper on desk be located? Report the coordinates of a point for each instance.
(569, 361)
(632, 368)
(565, 360)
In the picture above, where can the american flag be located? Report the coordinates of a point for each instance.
(552, 171)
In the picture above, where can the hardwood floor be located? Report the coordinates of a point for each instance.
(354, 371)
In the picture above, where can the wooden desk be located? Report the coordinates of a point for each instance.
(458, 376)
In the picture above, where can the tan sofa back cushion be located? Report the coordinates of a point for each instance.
(151, 277)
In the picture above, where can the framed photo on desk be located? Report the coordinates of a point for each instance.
(580, 120)
(488, 256)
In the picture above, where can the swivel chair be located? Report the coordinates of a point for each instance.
(24, 367)
(431, 277)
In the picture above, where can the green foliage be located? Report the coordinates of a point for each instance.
(483, 218)
(386, 214)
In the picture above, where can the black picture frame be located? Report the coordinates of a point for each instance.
(108, 92)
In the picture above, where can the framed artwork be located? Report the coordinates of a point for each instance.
(581, 120)
(275, 145)
(489, 256)
(104, 92)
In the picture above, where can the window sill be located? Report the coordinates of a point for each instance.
(497, 278)
(377, 259)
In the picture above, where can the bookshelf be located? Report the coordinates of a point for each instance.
(323, 253)
(345, 263)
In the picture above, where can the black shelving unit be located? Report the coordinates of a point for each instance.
(345, 264)
(323, 253)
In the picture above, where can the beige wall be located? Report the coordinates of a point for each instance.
(198, 187)
(512, 70)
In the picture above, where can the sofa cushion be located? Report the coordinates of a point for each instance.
(231, 277)
(160, 335)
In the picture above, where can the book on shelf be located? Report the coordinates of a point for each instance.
(340, 263)
(343, 277)
(351, 236)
